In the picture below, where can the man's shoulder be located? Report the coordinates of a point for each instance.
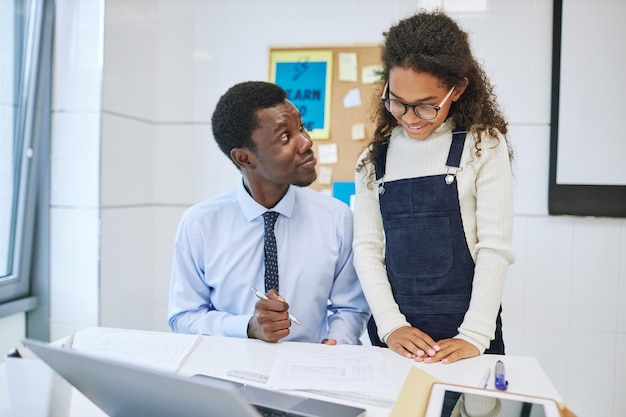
(211, 207)
(320, 200)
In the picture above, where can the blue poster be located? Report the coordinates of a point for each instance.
(305, 84)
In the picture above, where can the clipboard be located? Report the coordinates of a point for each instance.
(412, 401)
(414, 394)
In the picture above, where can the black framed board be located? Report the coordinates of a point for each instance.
(587, 141)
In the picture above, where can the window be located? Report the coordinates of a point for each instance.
(25, 43)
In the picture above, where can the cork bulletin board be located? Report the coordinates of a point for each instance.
(337, 106)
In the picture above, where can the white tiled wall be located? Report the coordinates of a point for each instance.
(75, 166)
(165, 64)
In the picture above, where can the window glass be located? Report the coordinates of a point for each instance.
(24, 127)
(9, 143)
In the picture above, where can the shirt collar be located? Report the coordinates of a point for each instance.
(251, 209)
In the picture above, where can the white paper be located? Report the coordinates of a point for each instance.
(325, 367)
(358, 131)
(352, 98)
(371, 74)
(327, 153)
(324, 175)
(162, 351)
(348, 64)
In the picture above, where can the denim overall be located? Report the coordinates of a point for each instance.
(428, 261)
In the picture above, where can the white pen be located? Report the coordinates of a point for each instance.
(262, 296)
(69, 342)
(484, 379)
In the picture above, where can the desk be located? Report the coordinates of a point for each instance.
(218, 355)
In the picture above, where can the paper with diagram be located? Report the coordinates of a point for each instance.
(318, 366)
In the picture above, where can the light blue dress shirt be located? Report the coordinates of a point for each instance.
(218, 257)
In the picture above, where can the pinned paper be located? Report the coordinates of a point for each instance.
(327, 153)
(348, 66)
(370, 74)
(324, 175)
(358, 131)
(352, 98)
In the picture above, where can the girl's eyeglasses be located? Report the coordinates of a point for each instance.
(423, 111)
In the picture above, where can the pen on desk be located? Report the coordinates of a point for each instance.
(500, 381)
(485, 379)
(69, 342)
(262, 296)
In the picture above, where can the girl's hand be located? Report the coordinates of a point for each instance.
(451, 350)
(412, 343)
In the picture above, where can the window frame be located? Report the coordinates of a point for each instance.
(32, 124)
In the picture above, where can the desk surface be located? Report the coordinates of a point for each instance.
(218, 355)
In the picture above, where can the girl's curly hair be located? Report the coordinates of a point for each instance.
(432, 42)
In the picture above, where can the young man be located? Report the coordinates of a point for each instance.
(219, 248)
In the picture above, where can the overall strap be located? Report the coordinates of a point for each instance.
(456, 148)
(454, 155)
(381, 159)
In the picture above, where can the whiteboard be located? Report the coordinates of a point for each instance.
(588, 152)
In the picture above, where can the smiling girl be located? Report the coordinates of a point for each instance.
(434, 207)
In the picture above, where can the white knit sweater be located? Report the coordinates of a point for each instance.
(485, 188)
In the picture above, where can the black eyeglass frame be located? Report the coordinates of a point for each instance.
(385, 100)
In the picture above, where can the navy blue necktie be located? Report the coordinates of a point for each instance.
(271, 255)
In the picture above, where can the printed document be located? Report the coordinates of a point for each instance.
(162, 351)
(318, 366)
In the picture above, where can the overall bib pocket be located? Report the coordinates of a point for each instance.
(419, 248)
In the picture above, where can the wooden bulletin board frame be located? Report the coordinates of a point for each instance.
(342, 119)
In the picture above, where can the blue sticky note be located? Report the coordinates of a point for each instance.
(343, 190)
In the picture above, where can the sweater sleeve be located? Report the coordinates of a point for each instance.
(486, 199)
(369, 256)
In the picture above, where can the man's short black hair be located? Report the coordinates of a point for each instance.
(234, 118)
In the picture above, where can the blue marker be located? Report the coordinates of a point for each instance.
(501, 382)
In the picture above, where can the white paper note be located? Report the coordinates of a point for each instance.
(370, 74)
(162, 351)
(358, 131)
(352, 98)
(324, 175)
(327, 153)
(348, 64)
(340, 367)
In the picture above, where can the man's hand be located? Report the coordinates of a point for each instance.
(270, 321)
(412, 343)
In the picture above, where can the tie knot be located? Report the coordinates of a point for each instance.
(269, 217)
